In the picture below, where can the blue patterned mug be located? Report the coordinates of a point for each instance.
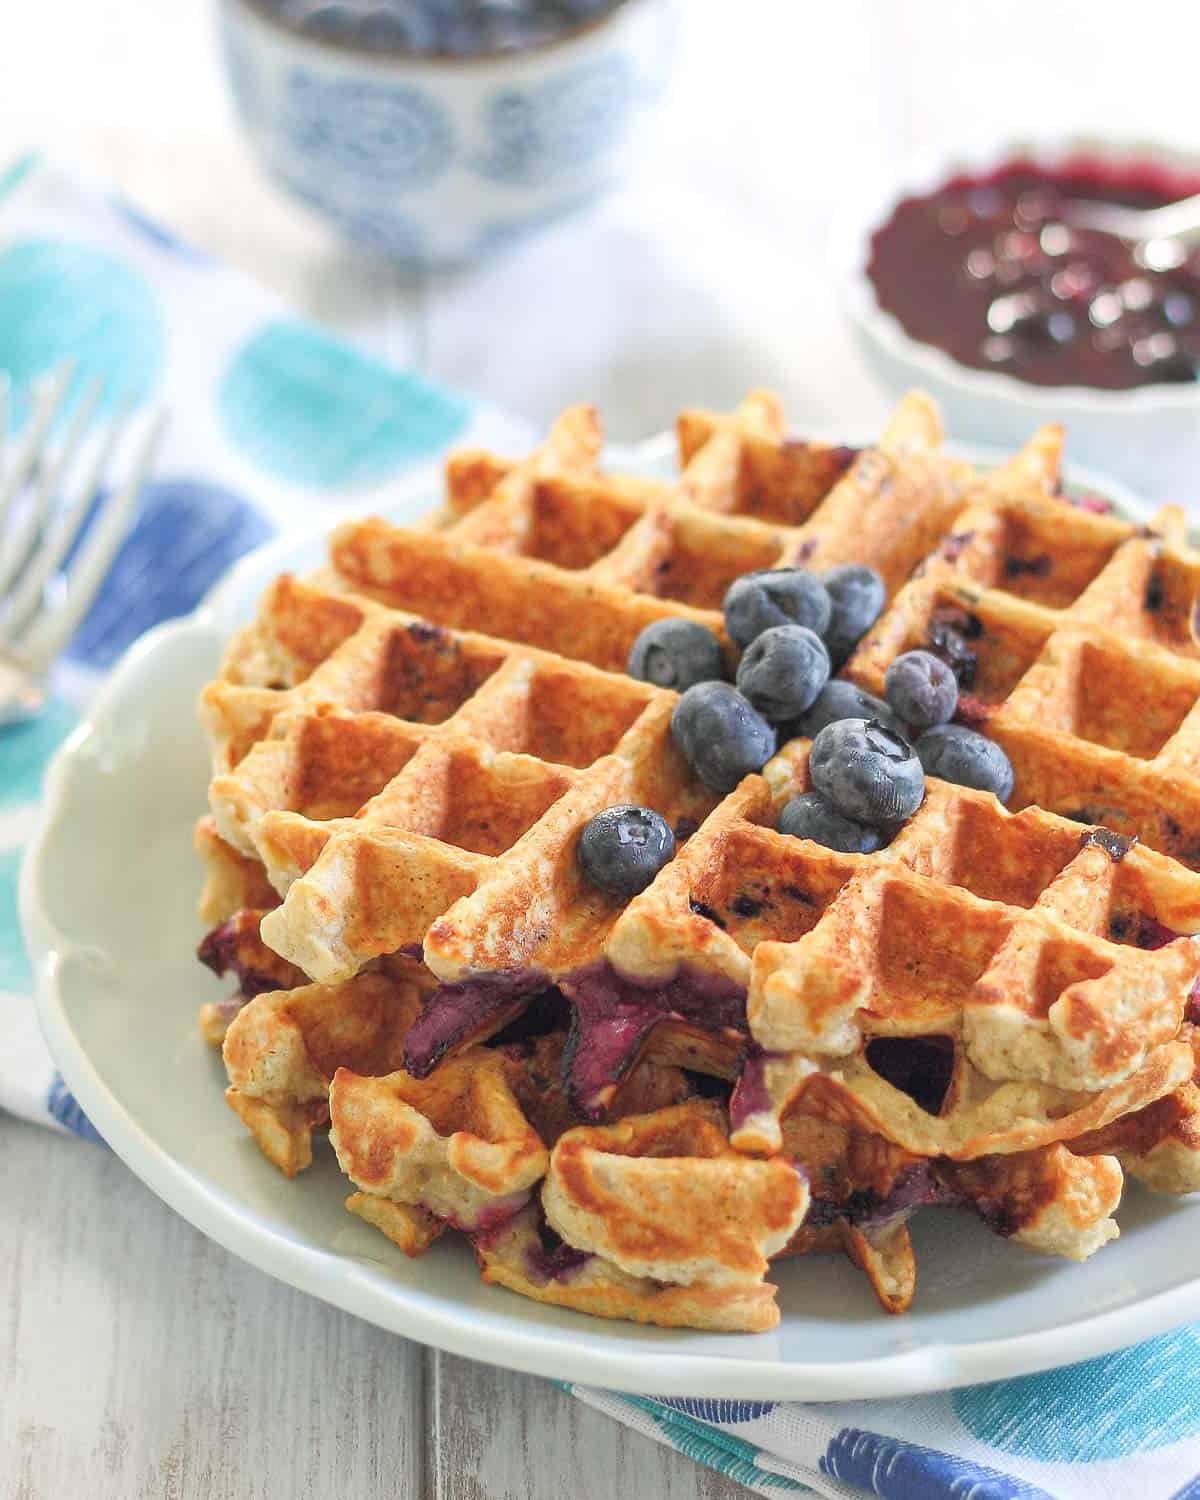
(437, 160)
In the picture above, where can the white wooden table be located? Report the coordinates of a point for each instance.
(137, 1359)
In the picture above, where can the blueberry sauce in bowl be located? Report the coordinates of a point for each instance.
(989, 268)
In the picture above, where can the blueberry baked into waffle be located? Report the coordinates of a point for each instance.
(649, 879)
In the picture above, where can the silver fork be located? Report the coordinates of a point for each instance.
(41, 604)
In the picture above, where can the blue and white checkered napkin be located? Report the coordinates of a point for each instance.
(273, 421)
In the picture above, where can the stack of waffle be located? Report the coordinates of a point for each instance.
(632, 1107)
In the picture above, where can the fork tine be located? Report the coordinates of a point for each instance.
(23, 605)
(54, 629)
(49, 398)
(16, 552)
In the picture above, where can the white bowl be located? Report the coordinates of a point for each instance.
(107, 907)
(438, 160)
(1149, 437)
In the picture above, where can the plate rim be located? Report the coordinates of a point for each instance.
(433, 1318)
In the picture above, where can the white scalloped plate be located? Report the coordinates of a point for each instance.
(107, 900)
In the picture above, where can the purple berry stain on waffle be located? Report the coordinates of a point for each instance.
(614, 1017)
(465, 1011)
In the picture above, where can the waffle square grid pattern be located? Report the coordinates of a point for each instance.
(633, 1106)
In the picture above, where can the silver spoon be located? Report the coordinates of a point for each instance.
(1162, 236)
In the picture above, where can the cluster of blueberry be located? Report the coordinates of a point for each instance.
(795, 629)
(456, 28)
(867, 775)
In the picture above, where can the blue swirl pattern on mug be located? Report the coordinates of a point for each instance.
(379, 226)
(539, 134)
(501, 234)
(59, 300)
(1149, 1396)
(311, 410)
(392, 134)
(243, 78)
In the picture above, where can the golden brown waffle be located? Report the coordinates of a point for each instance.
(865, 1187)
(989, 1011)
(1084, 634)
(455, 1144)
(656, 1219)
(467, 1145)
(1009, 942)
(282, 1050)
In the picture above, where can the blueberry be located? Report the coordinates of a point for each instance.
(1032, 318)
(328, 23)
(857, 593)
(400, 31)
(779, 596)
(676, 654)
(720, 735)
(463, 37)
(968, 759)
(948, 636)
(868, 771)
(839, 699)
(1163, 358)
(921, 689)
(623, 848)
(783, 670)
(809, 816)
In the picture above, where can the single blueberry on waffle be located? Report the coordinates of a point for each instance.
(652, 878)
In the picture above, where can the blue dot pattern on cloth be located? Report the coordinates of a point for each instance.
(896, 1470)
(379, 225)
(15, 974)
(25, 750)
(728, 1455)
(1190, 1491)
(391, 135)
(718, 1411)
(157, 234)
(16, 171)
(187, 534)
(62, 1106)
(537, 135)
(1140, 1398)
(311, 411)
(60, 300)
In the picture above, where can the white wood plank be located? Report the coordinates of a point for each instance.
(138, 1359)
(501, 1436)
